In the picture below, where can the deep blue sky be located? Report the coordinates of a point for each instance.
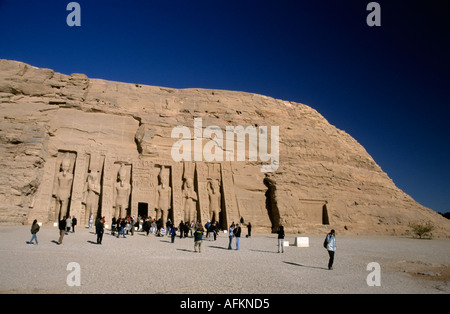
(387, 86)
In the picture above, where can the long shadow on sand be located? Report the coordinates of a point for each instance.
(300, 265)
(263, 251)
(218, 247)
(186, 250)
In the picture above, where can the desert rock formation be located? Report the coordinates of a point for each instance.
(117, 139)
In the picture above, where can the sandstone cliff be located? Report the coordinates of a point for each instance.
(325, 178)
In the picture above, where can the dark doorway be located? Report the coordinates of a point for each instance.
(143, 209)
(325, 220)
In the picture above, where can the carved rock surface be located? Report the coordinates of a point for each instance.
(325, 178)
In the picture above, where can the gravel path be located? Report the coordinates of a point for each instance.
(141, 264)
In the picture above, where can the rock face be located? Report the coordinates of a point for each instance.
(110, 146)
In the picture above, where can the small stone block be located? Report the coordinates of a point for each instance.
(302, 242)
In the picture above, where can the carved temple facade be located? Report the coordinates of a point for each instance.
(142, 177)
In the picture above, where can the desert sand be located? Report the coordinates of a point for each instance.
(150, 264)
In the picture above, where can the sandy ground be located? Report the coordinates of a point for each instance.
(141, 264)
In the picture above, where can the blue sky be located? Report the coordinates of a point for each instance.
(386, 86)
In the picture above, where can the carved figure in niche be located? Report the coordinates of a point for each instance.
(63, 187)
(189, 200)
(123, 189)
(163, 197)
(215, 199)
(93, 193)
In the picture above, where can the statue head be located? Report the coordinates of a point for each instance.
(65, 165)
(122, 173)
(94, 176)
(163, 175)
(214, 185)
(189, 183)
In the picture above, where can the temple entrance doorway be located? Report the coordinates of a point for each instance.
(143, 209)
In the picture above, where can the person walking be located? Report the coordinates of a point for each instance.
(173, 233)
(100, 229)
(230, 235)
(237, 234)
(198, 236)
(280, 232)
(330, 245)
(147, 225)
(34, 230)
(62, 230)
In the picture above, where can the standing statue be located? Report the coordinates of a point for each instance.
(214, 200)
(63, 187)
(93, 193)
(163, 197)
(189, 200)
(123, 189)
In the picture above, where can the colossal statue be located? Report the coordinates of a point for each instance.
(93, 193)
(63, 187)
(123, 189)
(214, 200)
(189, 201)
(163, 197)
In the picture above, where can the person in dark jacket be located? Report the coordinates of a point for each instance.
(34, 231)
(280, 232)
(100, 229)
(74, 223)
(62, 229)
(249, 230)
(121, 223)
(173, 233)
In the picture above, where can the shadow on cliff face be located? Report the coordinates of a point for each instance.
(271, 203)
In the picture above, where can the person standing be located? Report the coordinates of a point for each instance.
(74, 223)
(331, 247)
(113, 226)
(121, 223)
(230, 235)
(198, 236)
(280, 232)
(68, 224)
(91, 221)
(62, 229)
(100, 229)
(181, 228)
(34, 231)
(237, 234)
(249, 229)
